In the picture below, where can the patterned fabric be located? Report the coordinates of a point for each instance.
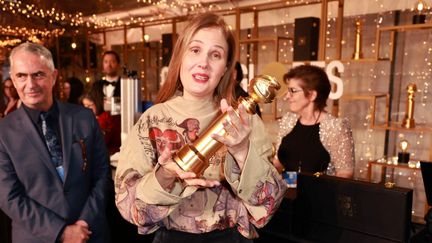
(53, 143)
(244, 199)
(336, 136)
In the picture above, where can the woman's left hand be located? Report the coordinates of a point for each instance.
(237, 129)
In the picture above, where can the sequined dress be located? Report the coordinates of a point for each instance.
(335, 135)
(301, 150)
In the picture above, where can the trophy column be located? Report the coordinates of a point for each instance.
(358, 54)
(408, 121)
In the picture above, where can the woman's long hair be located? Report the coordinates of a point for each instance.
(173, 83)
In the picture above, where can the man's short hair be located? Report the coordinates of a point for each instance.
(115, 54)
(36, 49)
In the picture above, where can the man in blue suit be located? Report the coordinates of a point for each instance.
(54, 172)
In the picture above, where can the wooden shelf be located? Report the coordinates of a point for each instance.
(397, 126)
(406, 27)
(372, 98)
(371, 59)
(362, 60)
(383, 166)
(364, 96)
(392, 30)
(265, 39)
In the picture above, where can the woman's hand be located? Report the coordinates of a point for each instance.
(169, 172)
(237, 132)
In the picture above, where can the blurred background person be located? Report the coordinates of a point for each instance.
(12, 100)
(239, 91)
(109, 125)
(310, 139)
(73, 88)
(109, 85)
(2, 100)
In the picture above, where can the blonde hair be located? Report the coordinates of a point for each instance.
(225, 87)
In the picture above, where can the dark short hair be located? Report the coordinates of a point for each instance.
(115, 54)
(314, 79)
(77, 89)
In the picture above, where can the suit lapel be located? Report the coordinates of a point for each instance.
(65, 120)
(37, 142)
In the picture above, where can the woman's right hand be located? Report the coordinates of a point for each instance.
(169, 172)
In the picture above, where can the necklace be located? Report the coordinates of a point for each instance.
(316, 120)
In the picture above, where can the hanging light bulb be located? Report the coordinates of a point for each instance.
(403, 156)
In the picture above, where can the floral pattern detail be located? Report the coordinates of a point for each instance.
(142, 201)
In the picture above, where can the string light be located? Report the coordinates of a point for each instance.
(11, 42)
(52, 16)
(28, 32)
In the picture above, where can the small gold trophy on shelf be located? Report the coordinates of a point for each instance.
(195, 157)
(408, 121)
(358, 54)
(403, 156)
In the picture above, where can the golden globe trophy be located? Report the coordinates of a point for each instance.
(195, 157)
(408, 121)
(358, 54)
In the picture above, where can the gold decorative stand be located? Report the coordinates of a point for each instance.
(358, 54)
(408, 121)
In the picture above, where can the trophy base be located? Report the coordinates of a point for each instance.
(408, 123)
(403, 157)
(419, 19)
(357, 56)
(190, 160)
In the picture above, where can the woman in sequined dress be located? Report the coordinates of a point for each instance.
(310, 139)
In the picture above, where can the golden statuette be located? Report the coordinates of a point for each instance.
(358, 54)
(408, 121)
(195, 157)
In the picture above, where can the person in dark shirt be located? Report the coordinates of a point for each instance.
(109, 85)
(73, 88)
(310, 139)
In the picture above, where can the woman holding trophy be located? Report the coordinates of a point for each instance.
(236, 187)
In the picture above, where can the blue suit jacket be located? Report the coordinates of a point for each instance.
(31, 192)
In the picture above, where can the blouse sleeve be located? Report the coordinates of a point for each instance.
(139, 197)
(258, 185)
(340, 144)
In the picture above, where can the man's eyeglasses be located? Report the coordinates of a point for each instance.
(292, 91)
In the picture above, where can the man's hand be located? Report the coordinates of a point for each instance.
(76, 233)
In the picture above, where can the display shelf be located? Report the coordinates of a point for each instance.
(397, 126)
(274, 39)
(393, 30)
(398, 166)
(372, 98)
